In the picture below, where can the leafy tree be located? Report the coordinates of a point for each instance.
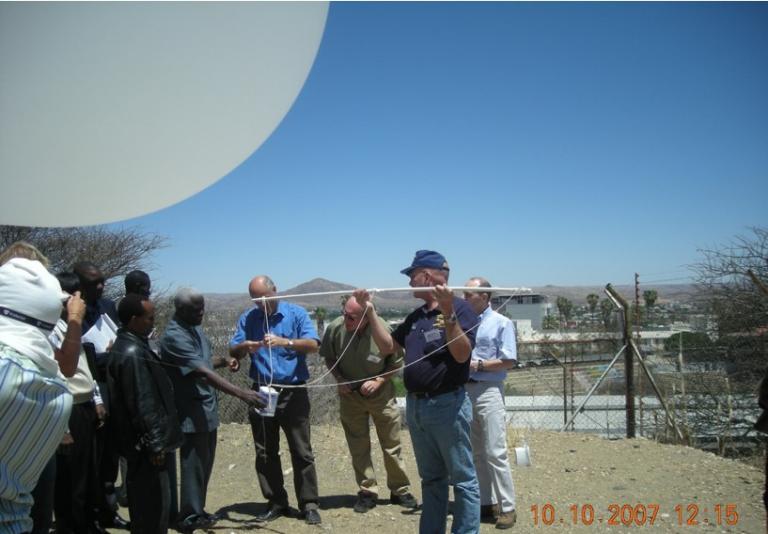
(549, 322)
(564, 308)
(606, 313)
(698, 342)
(320, 314)
(649, 297)
(592, 301)
(116, 252)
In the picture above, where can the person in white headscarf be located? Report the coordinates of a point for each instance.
(34, 400)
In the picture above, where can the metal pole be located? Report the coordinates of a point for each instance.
(629, 371)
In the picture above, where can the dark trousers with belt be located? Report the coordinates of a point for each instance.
(149, 495)
(292, 415)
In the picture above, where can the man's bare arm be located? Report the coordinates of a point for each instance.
(458, 344)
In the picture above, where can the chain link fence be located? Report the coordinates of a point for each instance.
(710, 394)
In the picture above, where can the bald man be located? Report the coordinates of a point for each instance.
(278, 336)
(363, 363)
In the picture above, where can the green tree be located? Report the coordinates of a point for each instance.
(320, 314)
(592, 301)
(606, 313)
(564, 308)
(549, 322)
(649, 297)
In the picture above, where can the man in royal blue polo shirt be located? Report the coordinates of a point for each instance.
(438, 339)
(278, 336)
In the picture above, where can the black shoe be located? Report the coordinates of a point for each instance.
(406, 500)
(213, 517)
(116, 522)
(312, 517)
(365, 501)
(193, 523)
(274, 511)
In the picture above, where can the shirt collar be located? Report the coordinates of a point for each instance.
(486, 312)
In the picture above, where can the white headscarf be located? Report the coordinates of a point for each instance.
(29, 293)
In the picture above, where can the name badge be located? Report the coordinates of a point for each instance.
(373, 358)
(432, 335)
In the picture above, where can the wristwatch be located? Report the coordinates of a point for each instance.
(451, 318)
(480, 365)
(290, 343)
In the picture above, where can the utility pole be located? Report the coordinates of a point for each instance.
(637, 305)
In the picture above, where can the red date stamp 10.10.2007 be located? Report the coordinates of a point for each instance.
(637, 514)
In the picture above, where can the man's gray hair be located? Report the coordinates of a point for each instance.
(185, 297)
(482, 282)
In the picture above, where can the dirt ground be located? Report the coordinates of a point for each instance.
(568, 469)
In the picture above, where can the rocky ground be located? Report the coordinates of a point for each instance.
(568, 469)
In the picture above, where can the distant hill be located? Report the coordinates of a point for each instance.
(578, 294)
(404, 301)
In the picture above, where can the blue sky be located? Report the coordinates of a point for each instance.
(533, 144)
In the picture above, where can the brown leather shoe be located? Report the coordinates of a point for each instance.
(489, 512)
(506, 519)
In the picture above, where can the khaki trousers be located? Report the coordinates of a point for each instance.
(382, 408)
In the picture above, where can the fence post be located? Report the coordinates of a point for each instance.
(629, 370)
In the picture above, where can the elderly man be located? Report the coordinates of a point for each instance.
(438, 339)
(494, 354)
(363, 369)
(189, 355)
(278, 336)
(144, 413)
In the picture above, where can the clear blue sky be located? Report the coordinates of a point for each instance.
(530, 143)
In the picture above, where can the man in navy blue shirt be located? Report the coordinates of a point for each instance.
(438, 339)
(278, 336)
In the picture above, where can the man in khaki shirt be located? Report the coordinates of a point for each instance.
(352, 352)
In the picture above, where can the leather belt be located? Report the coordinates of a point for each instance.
(436, 393)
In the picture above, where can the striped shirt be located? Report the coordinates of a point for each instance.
(34, 411)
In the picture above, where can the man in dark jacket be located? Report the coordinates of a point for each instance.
(144, 414)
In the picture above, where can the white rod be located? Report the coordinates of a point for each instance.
(516, 290)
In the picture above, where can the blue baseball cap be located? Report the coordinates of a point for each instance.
(426, 258)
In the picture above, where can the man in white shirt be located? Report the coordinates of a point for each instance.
(494, 354)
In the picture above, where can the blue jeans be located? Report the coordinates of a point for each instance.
(439, 429)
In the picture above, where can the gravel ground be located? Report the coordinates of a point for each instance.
(568, 469)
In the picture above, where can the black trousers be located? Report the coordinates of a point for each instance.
(292, 415)
(42, 509)
(76, 486)
(149, 495)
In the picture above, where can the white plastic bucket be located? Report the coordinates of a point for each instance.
(523, 455)
(269, 396)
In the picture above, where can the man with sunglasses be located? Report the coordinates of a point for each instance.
(438, 339)
(359, 360)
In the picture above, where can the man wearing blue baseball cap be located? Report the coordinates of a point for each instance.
(438, 338)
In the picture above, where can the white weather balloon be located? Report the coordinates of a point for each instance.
(113, 110)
